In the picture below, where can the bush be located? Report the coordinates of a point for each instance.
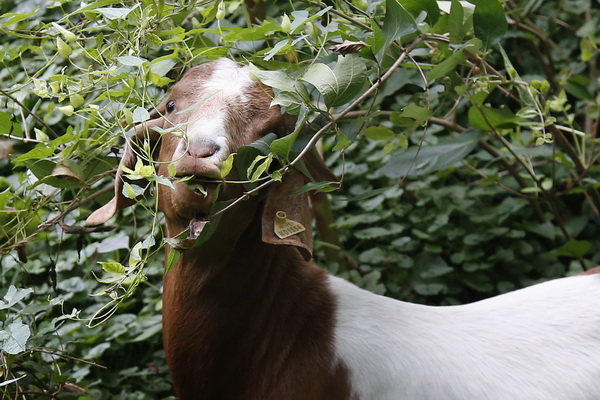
(465, 138)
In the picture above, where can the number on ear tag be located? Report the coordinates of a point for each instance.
(286, 227)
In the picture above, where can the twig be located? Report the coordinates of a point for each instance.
(34, 115)
(340, 14)
(22, 139)
(56, 219)
(71, 358)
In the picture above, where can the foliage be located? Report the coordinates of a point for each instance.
(467, 165)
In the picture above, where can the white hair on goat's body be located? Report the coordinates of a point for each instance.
(538, 343)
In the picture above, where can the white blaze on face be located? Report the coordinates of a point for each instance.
(229, 80)
(207, 124)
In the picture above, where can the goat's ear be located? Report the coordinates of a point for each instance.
(315, 165)
(281, 198)
(119, 201)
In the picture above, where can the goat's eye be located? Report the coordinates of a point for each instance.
(170, 106)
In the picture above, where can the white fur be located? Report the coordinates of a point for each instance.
(228, 83)
(538, 343)
(210, 130)
(229, 80)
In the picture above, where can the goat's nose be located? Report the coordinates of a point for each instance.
(202, 150)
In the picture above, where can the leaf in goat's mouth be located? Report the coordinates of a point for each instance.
(197, 184)
(198, 188)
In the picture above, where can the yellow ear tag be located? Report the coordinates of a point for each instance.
(285, 227)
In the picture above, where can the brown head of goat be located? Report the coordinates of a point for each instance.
(242, 318)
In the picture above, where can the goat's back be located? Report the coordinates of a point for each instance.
(542, 342)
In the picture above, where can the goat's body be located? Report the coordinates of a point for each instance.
(270, 326)
(542, 342)
(247, 317)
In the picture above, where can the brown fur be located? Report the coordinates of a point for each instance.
(595, 270)
(248, 320)
(243, 319)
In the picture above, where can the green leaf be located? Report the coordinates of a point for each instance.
(246, 155)
(397, 22)
(429, 289)
(140, 114)
(379, 133)
(76, 100)
(340, 85)
(37, 153)
(574, 248)
(424, 160)
(415, 7)
(131, 61)
(419, 114)
(227, 166)
(8, 125)
(40, 168)
(378, 231)
(275, 79)
(276, 176)
(132, 191)
(64, 50)
(489, 22)
(163, 180)
(14, 337)
(293, 144)
(13, 296)
(450, 63)
(279, 46)
(260, 168)
(342, 142)
(302, 17)
(324, 187)
(456, 22)
(431, 266)
(172, 258)
(113, 267)
(588, 48)
(485, 118)
(14, 18)
(153, 40)
(116, 13)
(282, 147)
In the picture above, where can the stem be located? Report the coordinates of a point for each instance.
(580, 168)
(23, 107)
(70, 358)
(340, 14)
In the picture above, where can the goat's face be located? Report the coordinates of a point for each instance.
(212, 111)
(215, 109)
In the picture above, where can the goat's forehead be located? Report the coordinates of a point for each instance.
(223, 77)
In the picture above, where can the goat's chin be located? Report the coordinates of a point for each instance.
(188, 204)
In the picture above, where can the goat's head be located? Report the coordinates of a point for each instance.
(212, 111)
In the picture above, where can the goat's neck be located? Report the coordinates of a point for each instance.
(244, 319)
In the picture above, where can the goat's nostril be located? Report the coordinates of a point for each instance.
(202, 150)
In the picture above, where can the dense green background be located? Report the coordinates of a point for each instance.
(464, 133)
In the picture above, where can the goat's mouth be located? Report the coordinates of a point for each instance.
(200, 185)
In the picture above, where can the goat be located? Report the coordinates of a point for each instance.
(248, 316)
